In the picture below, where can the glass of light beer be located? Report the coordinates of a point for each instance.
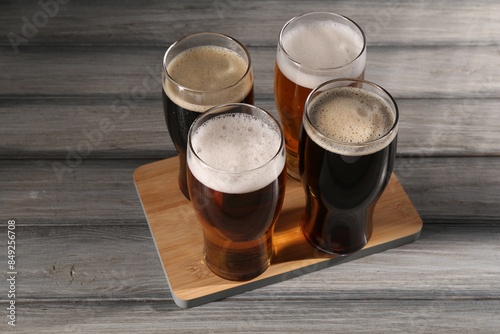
(236, 181)
(347, 150)
(313, 48)
(199, 72)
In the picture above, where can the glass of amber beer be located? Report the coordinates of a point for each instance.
(313, 48)
(236, 180)
(347, 151)
(199, 72)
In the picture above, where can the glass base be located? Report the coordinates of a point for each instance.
(327, 244)
(292, 165)
(241, 276)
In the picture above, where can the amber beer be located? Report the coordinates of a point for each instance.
(199, 72)
(313, 48)
(347, 152)
(236, 180)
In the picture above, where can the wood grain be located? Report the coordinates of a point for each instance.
(425, 22)
(87, 262)
(179, 241)
(284, 316)
(440, 71)
(92, 126)
(60, 192)
(98, 192)
(122, 264)
(429, 127)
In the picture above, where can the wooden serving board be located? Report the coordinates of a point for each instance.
(178, 237)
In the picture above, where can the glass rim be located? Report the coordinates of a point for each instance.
(313, 68)
(197, 91)
(380, 89)
(225, 109)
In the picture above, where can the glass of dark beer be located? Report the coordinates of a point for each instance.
(313, 48)
(199, 72)
(236, 180)
(347, 151)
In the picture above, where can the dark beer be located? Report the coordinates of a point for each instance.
(202, 71)
(313, 48)
(347, 152)
(236, 178)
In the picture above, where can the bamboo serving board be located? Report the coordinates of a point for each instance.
(178, 237)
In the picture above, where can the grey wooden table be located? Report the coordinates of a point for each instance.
(80, 109)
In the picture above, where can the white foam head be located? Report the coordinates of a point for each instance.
(350, 121)
(243, 153)
(204, 76)
(315, 51)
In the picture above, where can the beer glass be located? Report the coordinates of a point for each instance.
(199, 72)
(313, 48)
(347, 151)
(236, 180)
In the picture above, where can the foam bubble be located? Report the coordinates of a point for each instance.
(236, 146)
(350, 115)
(211, 69)
(321, 45)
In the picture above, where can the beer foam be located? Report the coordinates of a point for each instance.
(213, 71)
(321, 47)
(350, 121)
(237, 147)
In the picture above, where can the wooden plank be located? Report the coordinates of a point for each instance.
(74, 191)
(53, 128)
(180, 246)
(455, 188)
(437, 266)
(446, 282)
(156, 23)
(133, 73)
(449, 127)
(102, 191)
(435, 72)
(99, 128)
(92, 261)
(278, 316)
(103, 262)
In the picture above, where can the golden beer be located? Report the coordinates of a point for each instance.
(313, 48)
(236, 181)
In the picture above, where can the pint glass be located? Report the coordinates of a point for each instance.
(236, 181)
(313, 48)
(347, 151)
(199, 72)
